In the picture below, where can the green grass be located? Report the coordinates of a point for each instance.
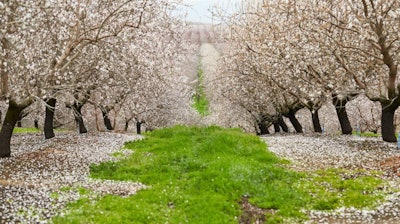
(337, 188)
(18, 130)
(26, 130)
(368, 134)
(199, 175)
(201, 103)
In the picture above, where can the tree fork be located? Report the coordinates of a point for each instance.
(127, 120)
(78, 118)
(106, 119)
(263, 128)
(340, 106)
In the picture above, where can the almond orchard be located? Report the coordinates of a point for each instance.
(82, 83)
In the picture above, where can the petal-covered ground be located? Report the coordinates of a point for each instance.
(319, 152)
(42, 176)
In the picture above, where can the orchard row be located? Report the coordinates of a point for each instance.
(121, 55)
(283, 56)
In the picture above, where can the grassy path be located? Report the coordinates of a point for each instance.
(212, 175)
(203, 100)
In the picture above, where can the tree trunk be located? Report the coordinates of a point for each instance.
(96, 118)
(19, 122)
(138, 127)
(387, 120)
(12, 115)
(296, 124)
(21, 116)
(126, 125)
(283, 125)
(114, 121)
(316, 122)
(107, 121)
(78, 118)
(127, 121)
(36, 123)
(340, 106)
(49, 119)
(277, 128)
(263, 128)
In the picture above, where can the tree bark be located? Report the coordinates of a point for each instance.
(387, 121)
(21, 116)
(12, 115)
(316, 122)
(277, 127)
(283, 125)
(49, 119)
(296, 124)
(127, 121)
(126, 125)
(96, 118)
(77, 107)
(4, 88)
(19, 122)
(263, 128)
(138, 127)
(36, 123)
(107, 121)
(340, 106)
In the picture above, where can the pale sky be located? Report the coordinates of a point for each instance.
(199, 10)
